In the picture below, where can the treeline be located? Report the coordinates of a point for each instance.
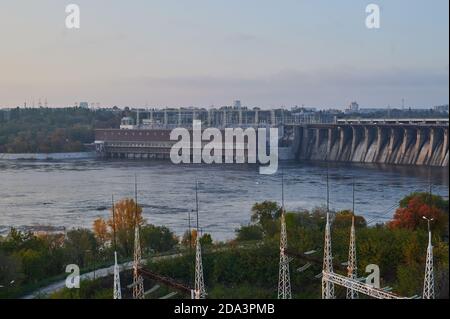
(47, 130)
(399, 113)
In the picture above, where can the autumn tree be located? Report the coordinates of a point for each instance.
(189, 238)
(343, 219)
(127, 214)
(414, 207)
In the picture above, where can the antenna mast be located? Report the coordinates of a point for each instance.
(284, 281)
(117, 293)
(352, 263)
(428, 283)
(327, 286)
(138, 282)
(199, 289)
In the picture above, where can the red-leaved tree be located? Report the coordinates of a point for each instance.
(411, 216)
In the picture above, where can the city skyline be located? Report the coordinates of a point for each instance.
(264, 53)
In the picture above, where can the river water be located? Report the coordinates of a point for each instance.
(73, 193)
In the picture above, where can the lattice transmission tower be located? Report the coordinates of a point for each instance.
(327, 286)
(117, 292)
(138, 281)
(284, 280)
(428, 283)
(199, 288)
(352, 268)
(117, 288)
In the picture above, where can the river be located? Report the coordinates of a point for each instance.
(73, 193)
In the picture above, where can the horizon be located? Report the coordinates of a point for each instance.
(267, 54)
(249, 107)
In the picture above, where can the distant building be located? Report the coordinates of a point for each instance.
(127, 123)
(84, 105)
(441, 108)
(304, 109)
(352, 108)
(237, 104)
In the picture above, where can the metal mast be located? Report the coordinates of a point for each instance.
(284, 280)
(199, 289)
(117, 290)
(117, 294)
(428, 282)
(352, 264)
(138, 282)
(327, 286)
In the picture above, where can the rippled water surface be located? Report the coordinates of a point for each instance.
(74, 193)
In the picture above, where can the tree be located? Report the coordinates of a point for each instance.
(158, 238)
(79, 243)
(249, 232)
(433, 200)
(127, 214)
(34, 263)
(265, 211)
(10, 270)
(343, 219)
(101, 230)
(206, 240)
(188, 238)
(411, 212)
(265, 214)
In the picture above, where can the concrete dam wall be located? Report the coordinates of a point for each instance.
(401, 144)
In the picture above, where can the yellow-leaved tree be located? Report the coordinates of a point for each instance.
(122, 223)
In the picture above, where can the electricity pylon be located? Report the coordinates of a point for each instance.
(117, 289)
(138, 282)
(284, 280)
(327, 286)
(199, 288)
(352, 267)
(117, 293)
(428, 283)
(352, 263)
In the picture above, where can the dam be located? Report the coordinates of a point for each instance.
(423, 143)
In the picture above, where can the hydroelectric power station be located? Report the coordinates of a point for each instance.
(421, 142)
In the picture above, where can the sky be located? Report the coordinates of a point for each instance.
(265, 53)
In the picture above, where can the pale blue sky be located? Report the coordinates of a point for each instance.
(210, 52)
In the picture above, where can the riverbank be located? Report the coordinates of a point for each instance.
(46, 157)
